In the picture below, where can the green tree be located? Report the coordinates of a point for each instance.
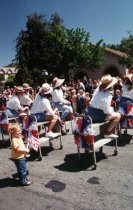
(126, 46)
(50, 45)
(30, 49)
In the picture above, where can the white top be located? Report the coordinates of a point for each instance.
(14, 103)
(25, 100)
(81, 86)
(127, 93)
(57, 96)
(41, 104)
(102, 100)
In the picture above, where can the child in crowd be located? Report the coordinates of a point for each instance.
(74, 100)
(80, 101)
(18, 153)
(87, 99)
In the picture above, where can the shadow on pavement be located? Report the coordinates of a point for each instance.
(8, 182)
(4, 144)
(34, 155)
(122, 141)
(73, 164)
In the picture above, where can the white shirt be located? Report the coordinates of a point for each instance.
(127, 93)
(14, 103)
(40, 105)
(57, 95)
(102, 100)
(25, 100)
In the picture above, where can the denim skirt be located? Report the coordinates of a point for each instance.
(97, 115)
(40, 116)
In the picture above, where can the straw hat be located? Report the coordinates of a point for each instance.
(130, 77)
(46, 88)
(26, 86)
(57, 82)
(18, 89)
(108, 81)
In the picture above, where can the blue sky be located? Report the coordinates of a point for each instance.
(109, 20)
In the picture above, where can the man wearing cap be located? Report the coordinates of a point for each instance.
(26, 99)
(42, 109)
(59, 101)
(14, 107)
(100, 108)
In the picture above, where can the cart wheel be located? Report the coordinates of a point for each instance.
(51, 145)
(40, 158)
(95, 167)
(101, 149)
(115, 152)
(61, 146)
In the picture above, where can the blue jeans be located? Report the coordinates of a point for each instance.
(12, 113)
(123, 105)
(66, 109)
(40, 116)
(21, 169)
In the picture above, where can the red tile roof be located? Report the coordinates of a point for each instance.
(116, 52)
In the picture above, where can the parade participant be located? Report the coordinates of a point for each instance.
(14, 107)
(42, 109)
(59, 101)
(100, 108)
(19, 153)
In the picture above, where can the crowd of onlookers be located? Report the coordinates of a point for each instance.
(78, 92)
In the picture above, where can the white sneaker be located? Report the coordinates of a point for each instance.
(110, 135)
(50, 134)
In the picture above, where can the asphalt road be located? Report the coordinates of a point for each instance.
(60, 182)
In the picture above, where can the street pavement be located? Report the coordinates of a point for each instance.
(61, 182)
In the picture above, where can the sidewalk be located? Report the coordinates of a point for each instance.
(59, 182)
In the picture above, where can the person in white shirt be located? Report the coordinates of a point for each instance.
(59, 101)
(127, 94)
(26, 99)
(127, 89)
(100, 108)
(42, 109)
(14, 107)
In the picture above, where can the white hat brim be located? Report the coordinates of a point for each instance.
(59, 83)
(113, 82)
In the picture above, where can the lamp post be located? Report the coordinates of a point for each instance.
(45, 74)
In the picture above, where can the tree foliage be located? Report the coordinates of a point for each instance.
(50, 45)
(126, 45)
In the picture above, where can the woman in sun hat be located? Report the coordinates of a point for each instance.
(127, 89)
(26, 99)
(59, 101)
(100, 108)
(14, 107)
(126, 101)
(42, 109)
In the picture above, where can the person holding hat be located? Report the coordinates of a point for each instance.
(42, 109)
(59, 101)
(14, 108)
(26, 99)
(100, 108)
